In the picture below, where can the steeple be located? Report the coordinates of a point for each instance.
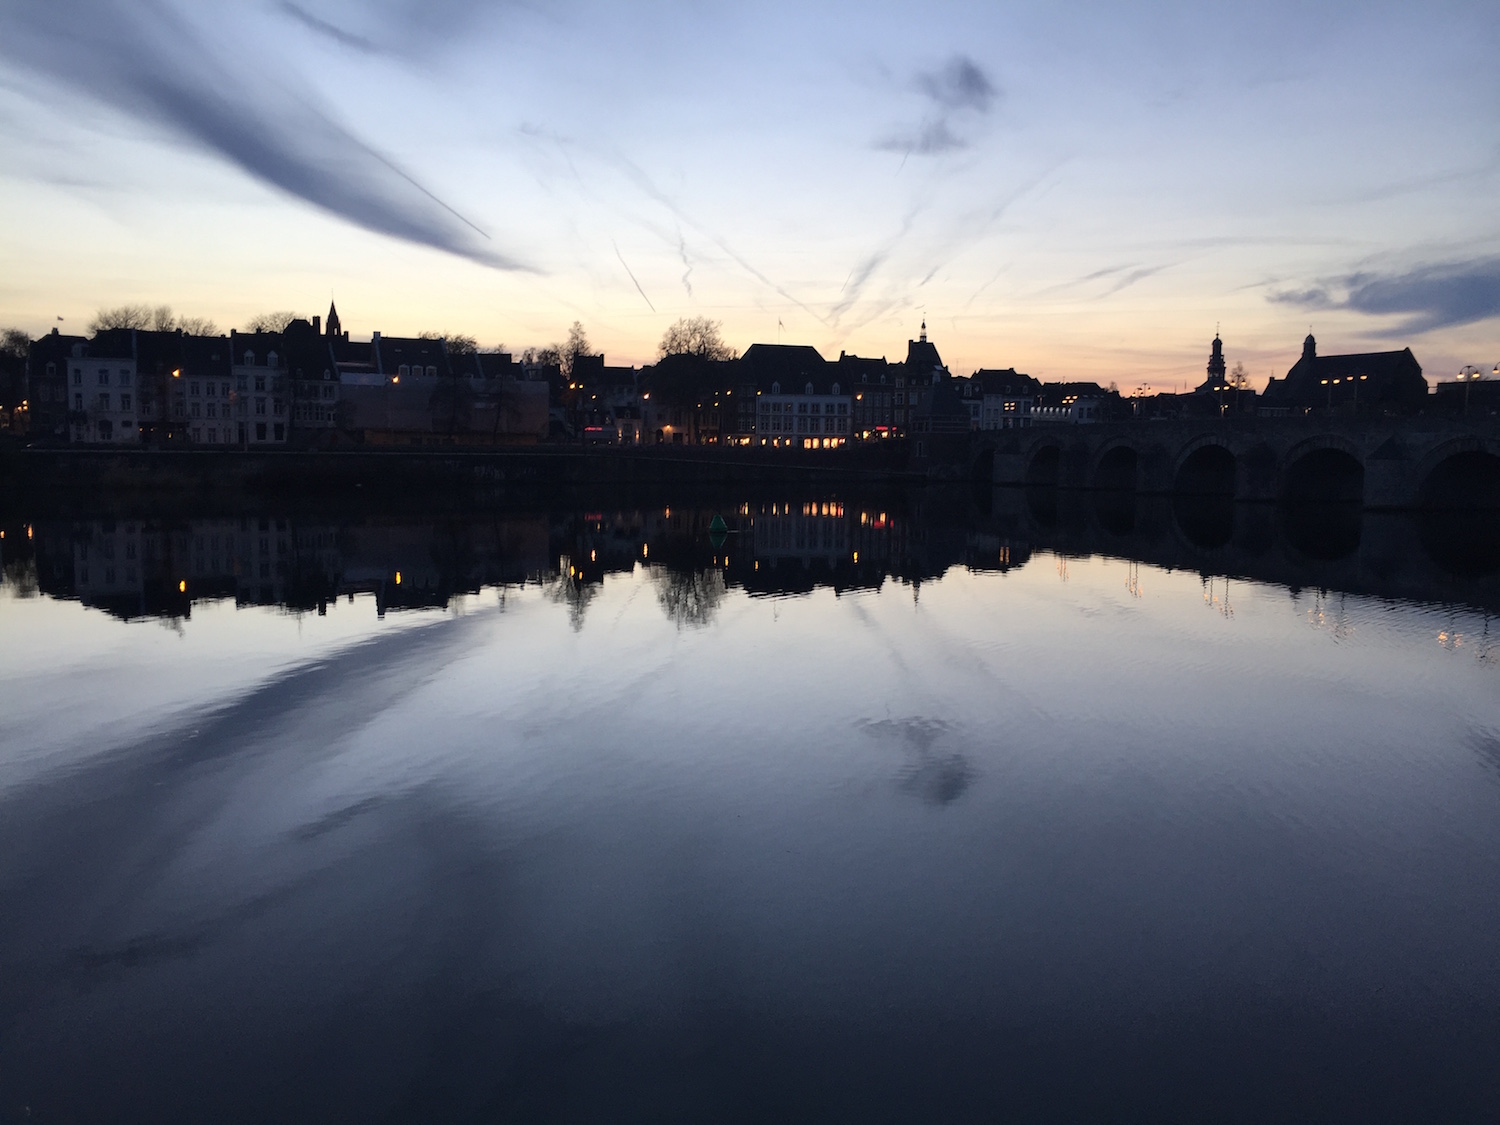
(1216, 361)
(1309, 347)
(334, 328)
(923, 336)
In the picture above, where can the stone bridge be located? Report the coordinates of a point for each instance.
(1397, 463)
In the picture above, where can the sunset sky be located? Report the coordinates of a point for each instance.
(1079, 191)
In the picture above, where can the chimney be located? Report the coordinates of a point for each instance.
(318, 325)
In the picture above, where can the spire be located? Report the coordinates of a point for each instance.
(923, 337)
(334, 328)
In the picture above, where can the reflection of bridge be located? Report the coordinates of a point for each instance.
(1421, 556)
(1383, 463)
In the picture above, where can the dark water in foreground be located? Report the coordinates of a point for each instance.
(934, 808)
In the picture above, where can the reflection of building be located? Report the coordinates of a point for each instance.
(804, 532)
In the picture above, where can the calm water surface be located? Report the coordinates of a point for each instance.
(595, 817)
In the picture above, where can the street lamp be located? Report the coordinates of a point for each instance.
(1467, 376)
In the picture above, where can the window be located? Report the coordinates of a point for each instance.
(104, 376)
(278, 407)
(51, 370)
(224, 389)
(280, 431)
(78, 376)
(124, 402)
(194, 388)
(106, 431)
(213, 435)
(802, 408)
(208, 390)
(77, 402)
(327, 392)
(197, 410)
(260, 407)
(104, 401)
(432, 372)
(843, 408)
(249, 359)
(260, 382)
(213, 410)
(835, 388)
(270, 359)
(124, 378)
(260, 431)
(808, 390)
(775, 388)
(405, 370)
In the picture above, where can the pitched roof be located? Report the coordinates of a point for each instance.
(765, 362)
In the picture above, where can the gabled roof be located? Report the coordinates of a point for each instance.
(788, 364)
(858, 369)
(1006, 381)
(397, 350)
(922, 357)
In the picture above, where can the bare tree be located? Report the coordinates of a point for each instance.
(122, 316)
(578, 344)
(153, 318)
(14, 343)
(272, 321)
(457, 342)
(696, 336)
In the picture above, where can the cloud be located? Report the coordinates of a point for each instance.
(928, 139)
(144, 59)
(1441, 295)
(327, 28)
(957, 87)
(959, 84)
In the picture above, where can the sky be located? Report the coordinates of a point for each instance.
(1079, 191)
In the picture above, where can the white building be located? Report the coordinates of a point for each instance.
(803, 418)
(102, 396)
(261, 393)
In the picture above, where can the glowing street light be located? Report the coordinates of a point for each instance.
(1467, 376)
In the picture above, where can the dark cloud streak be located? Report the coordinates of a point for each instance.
(142, 58)
(1441, 295)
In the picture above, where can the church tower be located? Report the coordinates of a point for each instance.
(334, 328)
(1216, 367)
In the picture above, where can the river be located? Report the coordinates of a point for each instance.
(882, 808)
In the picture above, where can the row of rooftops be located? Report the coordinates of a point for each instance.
(308, 350)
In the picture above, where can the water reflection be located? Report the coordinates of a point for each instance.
(667, 820)
(161, 566)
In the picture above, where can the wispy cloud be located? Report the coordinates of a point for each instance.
(1440, 295)
(143, 58)
(958, 87)
(959, 84)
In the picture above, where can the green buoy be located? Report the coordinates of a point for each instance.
(717, 526)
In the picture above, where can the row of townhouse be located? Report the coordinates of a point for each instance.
(307, 384)
(310, 385)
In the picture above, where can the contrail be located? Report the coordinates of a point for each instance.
(638, 288)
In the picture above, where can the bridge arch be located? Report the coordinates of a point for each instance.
(1044, 464)
(1463, 473)
(1116, 467)
(1324, 469)
(1206, 466)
